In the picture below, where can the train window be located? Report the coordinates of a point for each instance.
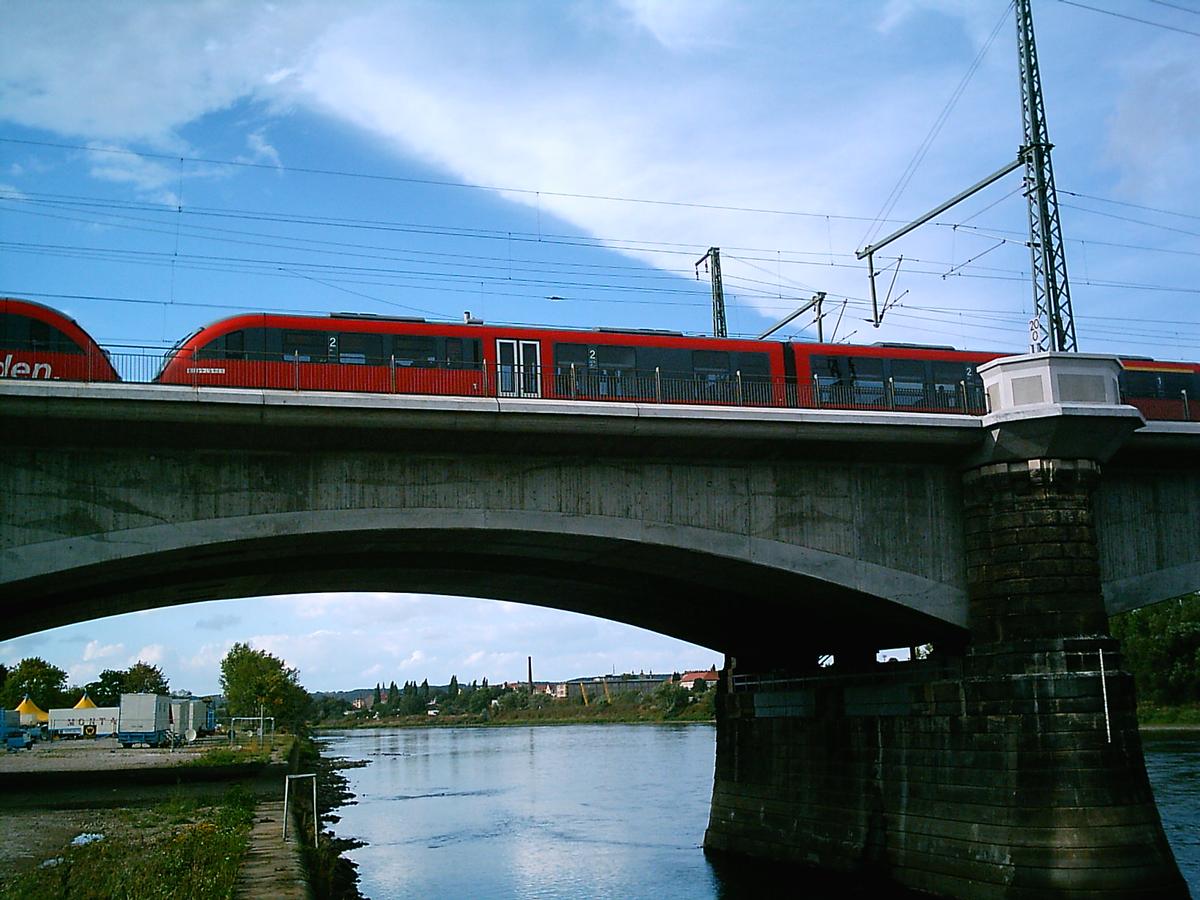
(613, 358)
(415, 350)
(866, 375)
(235, 345)
(361, 349)
(567, 354)
(753, 365)
(908, 382)
(908, 371)
(1173, 383)
(710, 365)
(214, 349)
(946, 376)
(263, 343)
(829, 370)
(24, 333)
(460, 353)
(306, 346)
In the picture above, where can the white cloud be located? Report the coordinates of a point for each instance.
(95, 650)
(154, 654)
(261, 151)
(683, 25)
(73, 68)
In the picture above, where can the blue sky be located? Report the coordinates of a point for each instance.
(164, 165)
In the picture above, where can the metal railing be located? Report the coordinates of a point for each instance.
(397, 376)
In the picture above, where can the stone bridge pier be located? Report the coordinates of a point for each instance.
(1010, 767)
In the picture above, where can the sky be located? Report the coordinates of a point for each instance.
(163, 166)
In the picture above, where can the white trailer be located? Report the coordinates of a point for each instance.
(144, 719)
(98, 721)
(199, 716)
(180, 716)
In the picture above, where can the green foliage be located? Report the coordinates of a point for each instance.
(252, 678)
(45, 684)
(143, 678)
(670, 699)
(140, 678)
(229, 756)
(514, 700)
(107, 689)
(197, 854)
(1161, 647)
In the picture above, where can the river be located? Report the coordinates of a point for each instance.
(613, 811)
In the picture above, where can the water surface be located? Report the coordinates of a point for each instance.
(605, 811)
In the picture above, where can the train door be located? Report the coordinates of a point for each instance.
(518, 368)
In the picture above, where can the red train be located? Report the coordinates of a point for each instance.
(37, 342)
(356, 352)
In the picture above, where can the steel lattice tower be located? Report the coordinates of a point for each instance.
(1051, 292)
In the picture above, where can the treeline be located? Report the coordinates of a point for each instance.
(46, 684)
(482, 702)
(252, 681)
(415, 699)
(1161, 647)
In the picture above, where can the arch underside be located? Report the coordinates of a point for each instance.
(747, 603)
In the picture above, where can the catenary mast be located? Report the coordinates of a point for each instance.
(1055, 323)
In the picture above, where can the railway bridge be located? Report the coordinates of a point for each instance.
(1005, 764)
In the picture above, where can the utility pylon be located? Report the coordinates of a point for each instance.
(1051, 291)
(712, 261)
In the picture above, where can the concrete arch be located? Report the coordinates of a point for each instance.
(710, 587)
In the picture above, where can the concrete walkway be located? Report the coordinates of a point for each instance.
(271, 867)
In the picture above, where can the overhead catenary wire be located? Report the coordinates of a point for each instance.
(1109, 12)
(923, 148)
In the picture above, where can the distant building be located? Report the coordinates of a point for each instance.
(607, 686)
(689, 679)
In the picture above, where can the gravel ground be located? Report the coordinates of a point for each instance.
(38, 820)
(102, 754)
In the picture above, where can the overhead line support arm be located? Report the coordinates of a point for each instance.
(868, 252)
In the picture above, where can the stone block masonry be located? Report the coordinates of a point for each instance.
(959, 779)
(1011, 770)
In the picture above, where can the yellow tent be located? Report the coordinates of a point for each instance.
(85, 702)
(31, 713)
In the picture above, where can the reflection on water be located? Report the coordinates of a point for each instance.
(590, 810)
(1173, 763)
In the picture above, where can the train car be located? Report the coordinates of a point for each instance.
(906, 377)
(356, 352)
(359, 352)
(1162, 390)
(41, 344)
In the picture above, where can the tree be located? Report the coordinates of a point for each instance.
(33, 676)
(1161, 647)
(453, 689)
(251, 679)
(671, 699)
(143, 678)
(107, 689)
(378, 698)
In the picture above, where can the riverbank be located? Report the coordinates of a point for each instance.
(554, 714)
(1151, 715)
(91, 819)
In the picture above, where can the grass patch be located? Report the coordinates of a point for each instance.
(230, 756)
(1153, 714)
(177, 849)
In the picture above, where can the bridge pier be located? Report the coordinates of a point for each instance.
(1013, 769)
